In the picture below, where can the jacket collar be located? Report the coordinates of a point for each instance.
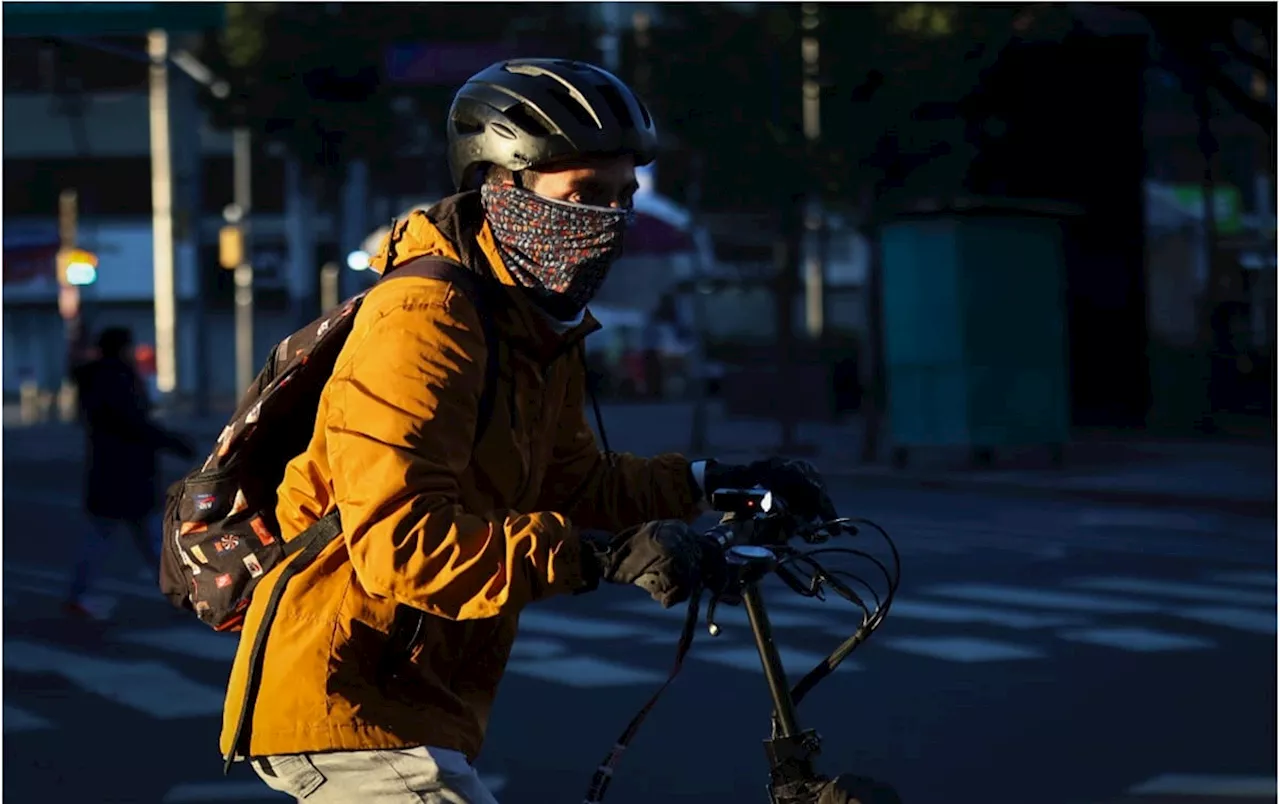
(455, 229)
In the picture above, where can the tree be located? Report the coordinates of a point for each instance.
(1226, 50)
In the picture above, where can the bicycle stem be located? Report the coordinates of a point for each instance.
(774, 674)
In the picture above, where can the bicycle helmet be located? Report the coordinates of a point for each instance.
(524, 113)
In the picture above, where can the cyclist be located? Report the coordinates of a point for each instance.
(446, 544)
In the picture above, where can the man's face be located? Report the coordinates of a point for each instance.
(598, 182)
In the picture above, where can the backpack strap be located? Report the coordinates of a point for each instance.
(308, 544)
(480, 291)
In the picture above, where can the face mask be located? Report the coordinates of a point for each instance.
(560, 251)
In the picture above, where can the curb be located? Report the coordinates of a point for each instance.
(1247, 507)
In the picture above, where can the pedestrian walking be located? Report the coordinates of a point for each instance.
(122, 483)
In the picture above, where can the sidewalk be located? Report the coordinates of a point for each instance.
(1235, 477)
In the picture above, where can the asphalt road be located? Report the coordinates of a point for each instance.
(1038, 653)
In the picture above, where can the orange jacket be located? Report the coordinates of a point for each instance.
(468, 539)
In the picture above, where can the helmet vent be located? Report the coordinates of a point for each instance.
(529, 120)
(571, 104)
(644, 110)
(503, 130)
(616, 105)
(466, 127)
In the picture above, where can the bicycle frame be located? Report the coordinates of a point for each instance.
(790, 749)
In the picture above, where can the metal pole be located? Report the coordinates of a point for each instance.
(68, 301)
(162, 213)
(242, 165)
(815, 219)
(698, 427)
(329, 273)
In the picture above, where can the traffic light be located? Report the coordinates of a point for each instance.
(77, 267)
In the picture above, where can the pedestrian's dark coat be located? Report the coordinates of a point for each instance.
(121, 480)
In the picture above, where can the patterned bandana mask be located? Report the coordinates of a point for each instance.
(560, 251)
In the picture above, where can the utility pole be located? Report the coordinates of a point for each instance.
(242, 168)
(68, 300)
(162, 213)
(815, 218)
(698, 426)
(330, 273)
(608, 42)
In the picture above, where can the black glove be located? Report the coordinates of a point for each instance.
(667, 559)
(795, 481)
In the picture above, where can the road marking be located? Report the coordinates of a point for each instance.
(535, 648)
(17, 720)
(963, 649)
(747, 658)
(1147, 518)
(584, 671)
(149, 687)
(1192, 591)
(43, 497)
(1138, 640)
(1251, 578)
(105, 584)
(1188, 785)
(736, 617)
(1258, 622)
(99, 607)
(222, 791)
(1044, 599)
(565, 625)
(199, 643)
(958, 613)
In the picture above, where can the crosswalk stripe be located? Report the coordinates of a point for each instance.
(493, 783)
(1252, 620)
(1148, 519)
(566, 625)
(1043, 598)
(105, 584)
(188, 641)
(1138, 640)
(963, 649)
(16, 720)
(584, 671)
(100, 606)
(535, 648)
(1250, 578)
(736, 618)
(958, 613)
(1192, 785)
(746, 657)
(149, 687)
(1192, 591)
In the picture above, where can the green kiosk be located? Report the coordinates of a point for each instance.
(975, 335)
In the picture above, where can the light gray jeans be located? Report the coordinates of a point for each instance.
(431, 775)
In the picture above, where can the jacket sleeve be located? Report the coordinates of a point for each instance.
(399, 427)
(613, 493)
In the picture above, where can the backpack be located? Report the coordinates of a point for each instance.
(220, 530)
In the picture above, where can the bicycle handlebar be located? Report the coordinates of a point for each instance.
(756, 533)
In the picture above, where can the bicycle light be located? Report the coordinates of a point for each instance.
(742, 502)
